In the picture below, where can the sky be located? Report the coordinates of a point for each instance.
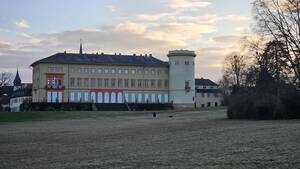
(35, 29)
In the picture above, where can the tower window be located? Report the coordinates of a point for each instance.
(187, 86)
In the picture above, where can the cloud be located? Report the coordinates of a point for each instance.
(6, 45)
(28, 38)
(4, 30)
(178, 16)
(149, 17)
(22, 24)
(227, 39)
(209, 61)
(131, 27)
(243, 29)
(181, 31)
(187, 4)
(111, 8)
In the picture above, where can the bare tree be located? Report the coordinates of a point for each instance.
(280, 20)
(5, 79)
(235, 68)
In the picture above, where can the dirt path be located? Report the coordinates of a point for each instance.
(189, 140)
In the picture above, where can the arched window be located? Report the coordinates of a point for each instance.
(120, 97)
(100, 100)
(126, 97)
(153, 98)
(113, 97)
(106, 97)
(140, 98)
(159, 98)
(132, 98)
(93, 97)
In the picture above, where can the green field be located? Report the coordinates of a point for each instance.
(191, 139)
(8, 117)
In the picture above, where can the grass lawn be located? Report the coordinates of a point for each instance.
(191, 139)
(7, 117)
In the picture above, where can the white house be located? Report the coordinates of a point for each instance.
(208, 93)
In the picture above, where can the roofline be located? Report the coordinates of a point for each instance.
(165, 64)
(181, 53)
(116, 64)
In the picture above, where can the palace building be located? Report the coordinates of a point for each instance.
(115, 78)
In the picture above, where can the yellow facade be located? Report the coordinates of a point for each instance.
(54, 83)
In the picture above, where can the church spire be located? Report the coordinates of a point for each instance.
(80, 49)
(17, 81)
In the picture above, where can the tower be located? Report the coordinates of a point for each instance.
(182, 78)
(17, 80)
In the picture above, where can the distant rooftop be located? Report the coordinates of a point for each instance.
(204, 82)
(103, 59)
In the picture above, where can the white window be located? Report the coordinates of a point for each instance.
(106, 70)
(79, 97)
(166, 98)
(106, 97)
(126, 71)
(86, 96)
(72, 97)
(60, 97)
(126, 97)
(93, 97)
(120, 97)
(100, 70)
(153, 98)
(48, 97)
(146, 98)
(132, 98)
(54, 97)
(159, 98)
(113, 97)
(140, 98)
(100, 97)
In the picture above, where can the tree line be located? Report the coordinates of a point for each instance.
(265, 80)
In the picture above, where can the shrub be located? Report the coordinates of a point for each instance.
(263, 104)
